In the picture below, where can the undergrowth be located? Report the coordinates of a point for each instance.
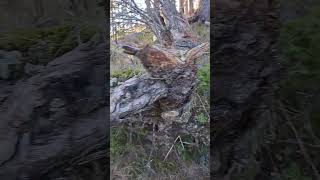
(60, 38)
(297, 138)
(132, 155)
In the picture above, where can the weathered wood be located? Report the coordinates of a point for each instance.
(135, 95)
(172, 82)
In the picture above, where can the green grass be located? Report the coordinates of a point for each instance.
(118, 142)
(204, 78)
(126, 73)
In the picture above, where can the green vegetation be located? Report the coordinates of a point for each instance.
(60, 39)
(299, 91)
(144, 36)
(301, 51)
(126, 73)
(202, 118)
(130, 155)
(301, 39)
(204, 78)
(118, 142)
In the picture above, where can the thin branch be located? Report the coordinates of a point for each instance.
(300, 143)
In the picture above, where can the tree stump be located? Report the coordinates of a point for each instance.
(165, 93)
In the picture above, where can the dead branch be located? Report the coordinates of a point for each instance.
(196, 52)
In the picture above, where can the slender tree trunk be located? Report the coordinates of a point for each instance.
(203, 12)
(181, 6)
(186, 9)
(191, 8)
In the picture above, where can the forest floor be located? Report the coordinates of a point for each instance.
(133, 155)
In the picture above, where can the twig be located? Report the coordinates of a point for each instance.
(300, 143)
(204, 107)
(171, 148)
(181, 142)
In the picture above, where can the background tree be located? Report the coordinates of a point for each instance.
(161, 17)
(191, 7)
(202, 14)
(181, 6)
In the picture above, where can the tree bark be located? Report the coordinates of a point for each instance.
(191, 8)
(185, 7)
(245, 74)
(169, 88)
(181, 6)
(203, 12)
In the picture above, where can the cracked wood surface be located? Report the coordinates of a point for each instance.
(170, 85)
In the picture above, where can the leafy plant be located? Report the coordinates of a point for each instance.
(202, 118)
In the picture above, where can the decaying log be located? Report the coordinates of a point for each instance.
(167, 88)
